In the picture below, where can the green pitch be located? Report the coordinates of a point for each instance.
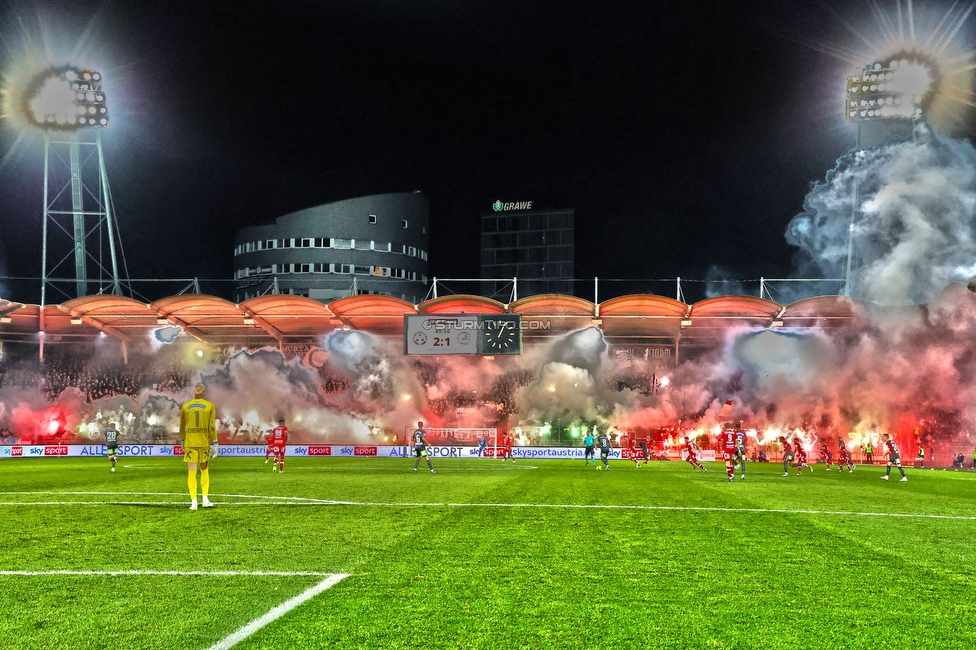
(769, 562)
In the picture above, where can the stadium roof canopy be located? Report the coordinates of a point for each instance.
(294, 320)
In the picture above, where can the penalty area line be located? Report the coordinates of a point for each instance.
(149, 572)
(278, 612)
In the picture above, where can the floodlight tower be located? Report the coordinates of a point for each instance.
(68, 105)
(885, 100)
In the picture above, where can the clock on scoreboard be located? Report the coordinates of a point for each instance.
(500, 334)
(486, 334)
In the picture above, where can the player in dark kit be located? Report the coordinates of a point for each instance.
(420, 447)
(604, 443)
(689, 448)
(843, 457)
(644, 452)
(787, 455)
(112, 440)
(825, 454)
(740, 449)
(727, 443)
(894, 457)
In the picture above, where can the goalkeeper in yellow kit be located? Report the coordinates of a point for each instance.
(198, 431)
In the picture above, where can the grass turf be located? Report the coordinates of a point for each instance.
(762, 574)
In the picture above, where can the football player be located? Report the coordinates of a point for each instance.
(894, 457)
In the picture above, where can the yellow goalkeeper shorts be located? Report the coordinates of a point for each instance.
(196, 454)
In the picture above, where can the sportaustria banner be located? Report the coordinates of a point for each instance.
(322, 451)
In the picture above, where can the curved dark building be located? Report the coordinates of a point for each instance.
(369, 245)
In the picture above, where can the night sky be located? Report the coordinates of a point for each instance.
(685, 134)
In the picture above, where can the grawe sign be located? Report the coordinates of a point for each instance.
(501, 206)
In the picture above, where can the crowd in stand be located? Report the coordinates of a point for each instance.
(97, 379)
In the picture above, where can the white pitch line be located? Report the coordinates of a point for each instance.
(277, 612)
(304, 501)
(166, 494)
(71, 572)
(185, 502)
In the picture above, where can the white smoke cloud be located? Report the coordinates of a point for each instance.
(916, 231)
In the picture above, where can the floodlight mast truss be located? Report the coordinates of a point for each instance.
(889, 96)
(77, 200)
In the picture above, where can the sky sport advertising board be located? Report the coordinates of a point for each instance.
(319, 451)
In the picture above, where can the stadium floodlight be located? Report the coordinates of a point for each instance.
(68, 104)
(66, 99)
(885, 99)
(897, 88)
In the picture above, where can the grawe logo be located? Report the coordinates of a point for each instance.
(498, 206)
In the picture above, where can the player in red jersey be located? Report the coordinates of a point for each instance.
(825, 454)
(787, 455)
(843, 457)
(507, 447)
(801, 456)
(269, 450)
(727, 440)
(628, 440)
(692, 458)
(279, 442)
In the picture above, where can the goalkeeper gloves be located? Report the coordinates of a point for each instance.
(214, 447)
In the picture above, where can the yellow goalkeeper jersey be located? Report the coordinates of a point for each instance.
(198, 423)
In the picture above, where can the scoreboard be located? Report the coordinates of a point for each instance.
(485, 334)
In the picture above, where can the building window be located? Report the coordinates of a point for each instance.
(341, 243)
(305, 268)
(381, 246)
(271, 243)
(363, 270)
(346, 268)
(412, 251)
(404, 222)
(372, 218)
(423, 230)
